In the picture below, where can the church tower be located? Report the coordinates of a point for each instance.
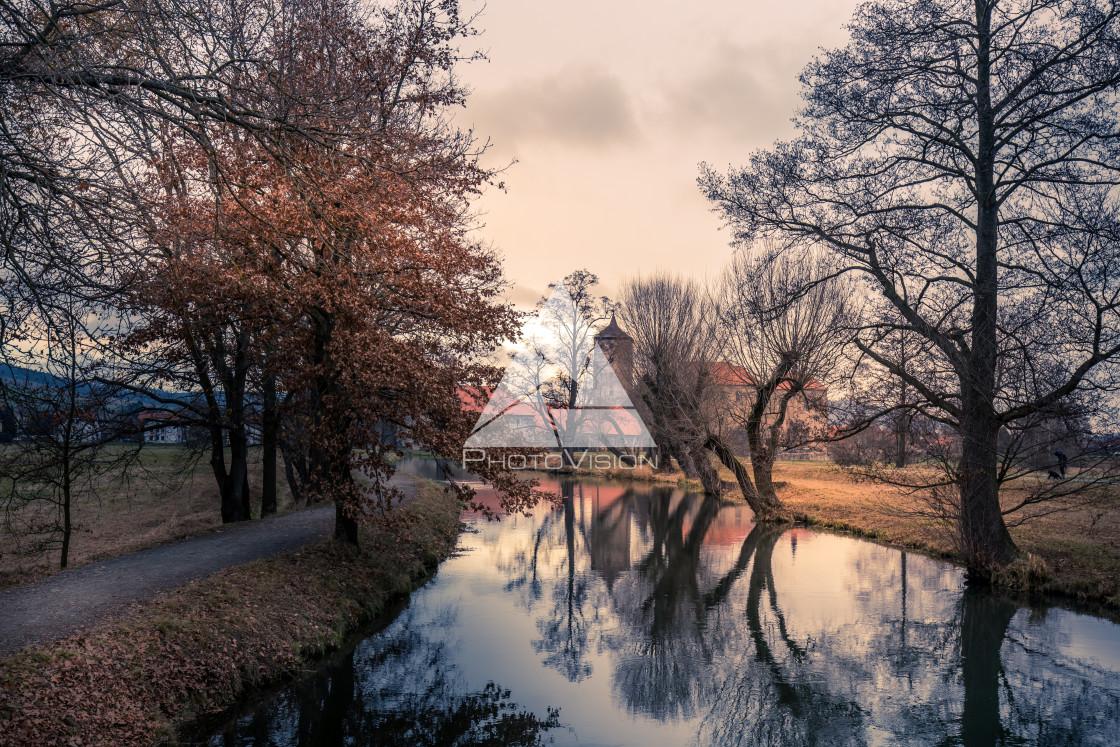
(619, 349)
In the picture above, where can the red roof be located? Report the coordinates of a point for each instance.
(728, 374)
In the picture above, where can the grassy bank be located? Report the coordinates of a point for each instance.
(197, 648)
(1074, 552)
(169, 495)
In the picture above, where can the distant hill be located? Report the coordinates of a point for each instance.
(20, 376)
(24, 376)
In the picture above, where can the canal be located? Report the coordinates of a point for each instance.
(632, 614)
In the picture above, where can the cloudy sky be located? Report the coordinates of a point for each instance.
(608, 106)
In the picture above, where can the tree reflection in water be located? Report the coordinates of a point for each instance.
(396, 689)
(676, 615)
(703, 632)
(565, 633)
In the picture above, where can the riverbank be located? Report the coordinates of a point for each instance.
(1074, 552)
(197, 648)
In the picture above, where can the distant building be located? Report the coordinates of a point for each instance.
(162, 428)
(87, 426)
(618, 347)
(807, 411)
(740, 386)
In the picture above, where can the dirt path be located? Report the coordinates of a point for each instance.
(54, 608)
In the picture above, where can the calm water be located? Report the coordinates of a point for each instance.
(651, 617)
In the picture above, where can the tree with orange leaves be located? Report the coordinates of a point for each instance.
(346, 265)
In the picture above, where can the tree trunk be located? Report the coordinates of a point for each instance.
(728, 459)
(762, 463)
(329, 462)
(684, 461)
(902, 425)
(230, 419)
(290, 474)
(764, 506)
(238, 479)
(295, 470)
(984, 536)
(231, 504)
(345, 526)
(709, 475)
(985, 541)
(762, 454)
(66, 523)
(900, 443)
(268, 445)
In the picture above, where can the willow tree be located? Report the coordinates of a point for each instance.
(784, 326)
(962, 157)
(676, 343)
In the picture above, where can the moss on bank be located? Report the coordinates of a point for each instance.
(197, 648)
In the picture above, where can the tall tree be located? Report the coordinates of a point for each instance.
(961, 156)
(358, 248)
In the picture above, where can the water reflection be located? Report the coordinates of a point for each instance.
(650, 616)
(399, 688)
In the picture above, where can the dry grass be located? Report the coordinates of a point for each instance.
(170, 497)
(826, 495)
(196, 648)
(1074, 552)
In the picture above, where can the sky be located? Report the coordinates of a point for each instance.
(605, 108)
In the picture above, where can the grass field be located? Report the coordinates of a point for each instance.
(168, 496)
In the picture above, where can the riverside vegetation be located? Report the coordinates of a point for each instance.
(197, 648)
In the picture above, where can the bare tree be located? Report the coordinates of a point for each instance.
(675, 344)
(784, 326)
(74, 436)
(961, 157)
(572, 325)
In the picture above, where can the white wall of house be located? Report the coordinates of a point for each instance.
(172, 434)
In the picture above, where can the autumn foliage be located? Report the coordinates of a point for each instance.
(339, 265)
